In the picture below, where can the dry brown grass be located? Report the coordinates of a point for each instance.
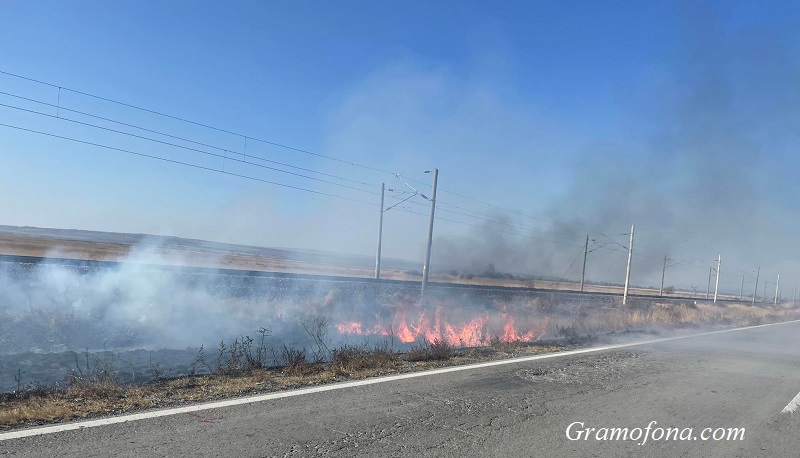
(89, 397)
(669, 315)
(93, 398)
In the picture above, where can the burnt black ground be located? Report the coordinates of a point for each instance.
(738, 379)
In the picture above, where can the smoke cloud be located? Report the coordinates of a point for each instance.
(700, 179)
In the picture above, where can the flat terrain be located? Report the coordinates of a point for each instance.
(103, 246)
(738, 379)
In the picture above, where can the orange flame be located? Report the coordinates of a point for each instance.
(351, 327)
(510, 333)
(410, 325)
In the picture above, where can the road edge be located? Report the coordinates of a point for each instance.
(78, 425)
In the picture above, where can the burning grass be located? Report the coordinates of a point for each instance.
(427, 338)
(545, 317)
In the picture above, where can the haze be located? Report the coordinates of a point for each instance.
(679, 117)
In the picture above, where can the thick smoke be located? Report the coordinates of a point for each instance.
(151, 300)
(137, 304)
(696, 181)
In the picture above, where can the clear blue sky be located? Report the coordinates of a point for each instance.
(680, 117)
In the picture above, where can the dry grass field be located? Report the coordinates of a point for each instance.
(97, 390)
(264, 260)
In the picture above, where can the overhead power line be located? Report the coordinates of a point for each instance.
(211, 169)
(247, 137)
(199, 124)
(173, 161)
(469, 212)
(225, 150)
(525, 236)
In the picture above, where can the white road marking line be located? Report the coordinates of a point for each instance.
(338, 386)
(790, 407)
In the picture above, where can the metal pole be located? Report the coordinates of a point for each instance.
(755, 290)
(663, 271)
(777, 285)
(628, 270)
(380, 237)
(716, 286)
(741, 291)
(427, 267)
(585, 253)
(708, 286)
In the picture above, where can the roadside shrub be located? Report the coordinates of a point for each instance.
(353, 358)
(296, 363)
(437, 350)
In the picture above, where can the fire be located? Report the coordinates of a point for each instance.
(352, 327)
(471, 333)
(410, 324)
(510, 333)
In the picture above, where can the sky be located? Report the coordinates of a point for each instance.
(567, 118)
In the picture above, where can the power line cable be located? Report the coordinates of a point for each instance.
(246, 137)
(211, 169)
(564, 275)
(505, 223)
(559, 242)
(178, 118)
(496, 221)
(224, 157)
(176, 137)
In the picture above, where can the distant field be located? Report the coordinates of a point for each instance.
(103, 246)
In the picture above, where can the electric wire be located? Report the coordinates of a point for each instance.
(225, 156)
(211, 169)
(199, 124)
(475, 214)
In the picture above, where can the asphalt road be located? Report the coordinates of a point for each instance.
(739, 379)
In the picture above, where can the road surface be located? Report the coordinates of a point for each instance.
(745, 379)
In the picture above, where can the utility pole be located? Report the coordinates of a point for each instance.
(380, 237)
(777, 285)
(741, 291)
(708, 286)
(755, 290)
(426, 269)
(585, 253)
(628, 271)
(765, 290)
(663, 271)
(716, 286)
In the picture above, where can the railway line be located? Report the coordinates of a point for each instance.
(410, 285)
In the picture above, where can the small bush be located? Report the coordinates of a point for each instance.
(437, 350)
(296, 364)
(353, 358)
